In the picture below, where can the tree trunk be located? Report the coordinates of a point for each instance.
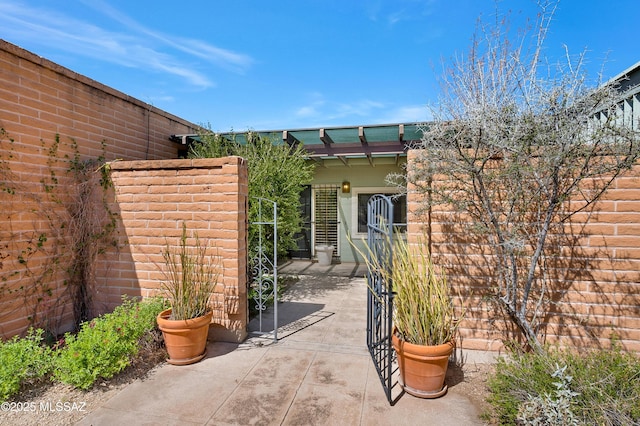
(524, 326)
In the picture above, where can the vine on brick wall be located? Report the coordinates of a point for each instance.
(91, 229)
(7, 179)
(71, 225)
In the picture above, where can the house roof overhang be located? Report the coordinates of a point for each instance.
(628, 81)
(343, 143)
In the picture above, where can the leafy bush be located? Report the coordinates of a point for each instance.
(596, 387)
(105, 346)
(277, 172)
(21, 361)
(551, 409)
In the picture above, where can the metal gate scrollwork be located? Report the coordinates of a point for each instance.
(264, 270)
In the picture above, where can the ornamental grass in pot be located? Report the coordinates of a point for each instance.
(191, 274)
(424, 317)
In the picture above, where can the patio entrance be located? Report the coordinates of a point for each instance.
(320, 224)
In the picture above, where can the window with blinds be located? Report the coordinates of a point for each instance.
(326, 215)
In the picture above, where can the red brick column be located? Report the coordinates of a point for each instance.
(152, 200)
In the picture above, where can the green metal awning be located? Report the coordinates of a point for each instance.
(337, 142)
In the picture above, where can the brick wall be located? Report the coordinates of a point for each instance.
(152, 200)
(595, 286)
(39, 100)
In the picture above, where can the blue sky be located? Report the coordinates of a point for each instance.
(287, 64)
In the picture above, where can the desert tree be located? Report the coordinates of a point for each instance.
(518, 145)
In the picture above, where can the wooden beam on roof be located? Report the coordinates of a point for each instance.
(183, 139)
(365, 144)
(318, 161)
(325, 138)
(344, 160)
(361, 135)
(392, 147)
(289, 139)
(401, 132)
(370, 158)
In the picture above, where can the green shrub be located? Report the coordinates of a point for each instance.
(22, 361)
(277, 172)
(551, 409)
(596, 387)
(105, 346)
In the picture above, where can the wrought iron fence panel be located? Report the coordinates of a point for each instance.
(263, 269)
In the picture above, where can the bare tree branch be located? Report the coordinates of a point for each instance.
(516, 140)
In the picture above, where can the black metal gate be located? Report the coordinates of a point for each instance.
(380, 294)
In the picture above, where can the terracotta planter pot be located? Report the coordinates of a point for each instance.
(423, 368)
(186, 340)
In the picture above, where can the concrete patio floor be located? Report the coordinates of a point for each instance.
(318, 373)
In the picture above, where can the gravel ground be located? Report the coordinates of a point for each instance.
(471, 381)
(55, 405)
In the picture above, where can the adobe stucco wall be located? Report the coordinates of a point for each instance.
(597, 285)
(152, 200)
(39, 100)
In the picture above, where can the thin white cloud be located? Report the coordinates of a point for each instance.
(406, 114)
(223, 57)
(306, 111)
(313, 108)
(314, 116)
(373, 9)
(180, 70)
(133, 48)
(396, 17)
(392, 12)
(360, 108)
(198, 48)
(321, 110)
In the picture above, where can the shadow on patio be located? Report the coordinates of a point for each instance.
(319, 372)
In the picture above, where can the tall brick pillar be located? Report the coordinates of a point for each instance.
(152, 200)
